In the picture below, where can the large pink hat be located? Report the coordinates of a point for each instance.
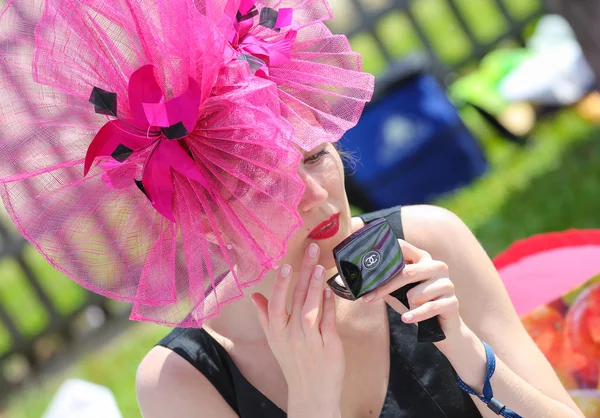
(146, 155)
(146, 160)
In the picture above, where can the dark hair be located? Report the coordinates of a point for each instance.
(348, 157)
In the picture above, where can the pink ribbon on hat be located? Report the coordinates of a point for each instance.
(269, 53)
(149, 129)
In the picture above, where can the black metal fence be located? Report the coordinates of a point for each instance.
(60, 337)
(26, 354)
(460, 28)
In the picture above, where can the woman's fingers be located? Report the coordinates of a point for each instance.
(277, 308)
(441, 306)
(306, 297)
(430, 290)
(261, 303)
(308, 307)
(328, 320)
(412, 273)
(413, 254)
(313, 302)
(304, 278)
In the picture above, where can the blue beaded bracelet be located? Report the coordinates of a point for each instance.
(488, 394)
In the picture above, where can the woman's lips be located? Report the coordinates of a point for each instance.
(326, 229)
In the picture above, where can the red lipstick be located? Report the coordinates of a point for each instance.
(326, 229)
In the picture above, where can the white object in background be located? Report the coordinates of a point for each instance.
(550, 30)
(560, 76)
(80, 399)
(558, 73)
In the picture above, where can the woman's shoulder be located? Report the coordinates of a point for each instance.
(446, 238)
(158, 370)
(477, 284)
(168, 385)
(433, 228)
(424, 226)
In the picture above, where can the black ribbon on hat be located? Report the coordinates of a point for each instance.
(105, 102)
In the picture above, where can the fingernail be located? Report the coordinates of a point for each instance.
(408, 317)
(369, 297)
(318, 273)
(285, 271)
(313, 249)
(327, 293)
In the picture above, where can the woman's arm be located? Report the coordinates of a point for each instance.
(524, 380)
(168, 386)
(467, 356)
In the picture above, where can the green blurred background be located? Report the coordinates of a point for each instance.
(551, 184)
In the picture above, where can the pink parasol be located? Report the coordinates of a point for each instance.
(539, 269)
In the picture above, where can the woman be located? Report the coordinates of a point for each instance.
(292, 347)
(146, 153)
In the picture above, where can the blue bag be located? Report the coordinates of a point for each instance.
(411, 144)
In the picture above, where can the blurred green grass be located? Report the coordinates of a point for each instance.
(113, 365)
(552, 184)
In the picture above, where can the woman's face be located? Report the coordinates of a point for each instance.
(324, 206)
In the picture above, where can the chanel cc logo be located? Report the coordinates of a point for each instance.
(371, 260)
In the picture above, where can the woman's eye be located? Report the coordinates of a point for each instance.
(316, 157)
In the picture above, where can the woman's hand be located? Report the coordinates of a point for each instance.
(434, 296)
(305, 342)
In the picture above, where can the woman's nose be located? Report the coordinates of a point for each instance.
(314, 194)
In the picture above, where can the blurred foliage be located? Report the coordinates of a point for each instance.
(551, 184)
(113, 365)
(399, 36)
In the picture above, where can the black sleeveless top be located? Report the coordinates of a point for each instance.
(422, 383)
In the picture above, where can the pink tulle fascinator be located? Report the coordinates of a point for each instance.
(143, 159)
(321, 86)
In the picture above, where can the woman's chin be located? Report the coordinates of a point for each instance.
(327, 260)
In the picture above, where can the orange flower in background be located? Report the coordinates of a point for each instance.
(545, 325)
(583, 322)
(582, 335)
(559, 305)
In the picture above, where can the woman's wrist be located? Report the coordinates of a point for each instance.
(313, 406)
(466, 353)
(312, 409)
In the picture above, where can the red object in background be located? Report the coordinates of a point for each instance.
(553, 282)
(583, 322)
(545, 326)
(540, 269)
